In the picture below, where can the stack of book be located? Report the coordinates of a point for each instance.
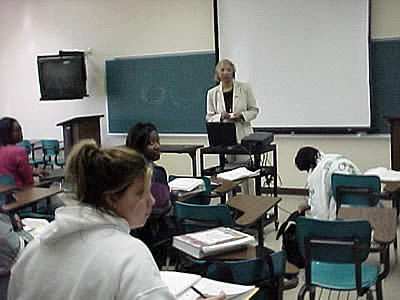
(211, 241)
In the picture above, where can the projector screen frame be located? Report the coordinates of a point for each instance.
(312, 129)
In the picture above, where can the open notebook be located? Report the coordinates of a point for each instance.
(180, 285)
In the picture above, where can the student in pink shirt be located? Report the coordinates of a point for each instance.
(13, 159)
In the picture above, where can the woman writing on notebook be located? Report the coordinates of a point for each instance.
(87, 252)
(232, 101)
(144, 138)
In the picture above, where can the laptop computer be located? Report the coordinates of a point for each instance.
(221, 134)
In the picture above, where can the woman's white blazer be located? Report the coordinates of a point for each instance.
(243, 102)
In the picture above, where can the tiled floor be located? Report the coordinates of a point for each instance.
(391, 283)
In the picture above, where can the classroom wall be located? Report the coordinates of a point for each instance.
(134, 27)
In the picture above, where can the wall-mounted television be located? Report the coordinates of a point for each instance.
(62, 76)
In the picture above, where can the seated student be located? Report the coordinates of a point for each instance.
(320, 167)
(12, 241)
(87, 252)
(144, 138)
(13, 159)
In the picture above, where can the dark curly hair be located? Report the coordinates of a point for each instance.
(306, 158)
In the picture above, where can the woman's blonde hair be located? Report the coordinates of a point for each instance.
(219, 66)
(93, 172)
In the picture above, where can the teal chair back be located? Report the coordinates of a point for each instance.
(28, 147)
(355, 190)
(196, 217)
(205, 197)
(8, 180)
(309, 228)
(334, 252)
(51, 150)
(254, 272)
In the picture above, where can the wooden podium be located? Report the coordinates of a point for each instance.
(78, 128)
(394, 141)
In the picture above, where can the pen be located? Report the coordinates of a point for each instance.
(198, 292)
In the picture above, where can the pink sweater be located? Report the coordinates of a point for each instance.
(14, 161)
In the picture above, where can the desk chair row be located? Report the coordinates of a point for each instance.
(334, 251)
(25, 213)
(50, 150)
(358, 190)
(269, 278)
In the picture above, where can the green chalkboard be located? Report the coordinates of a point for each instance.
(167, 90)
(385, 71)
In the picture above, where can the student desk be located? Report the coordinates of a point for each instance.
(189, 149)
(240, 150)
(383, 220)
(29, 197)
(225, 187)
(254, 208)
(393, 189)
(219, 191)
(54, 175)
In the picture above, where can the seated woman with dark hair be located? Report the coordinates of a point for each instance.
(144, 138)
(87, 252)
(320, 167)
(13, 159)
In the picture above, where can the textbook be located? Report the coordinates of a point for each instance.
(180, 285)
(211, 242)
(185, 184)
(238, 173)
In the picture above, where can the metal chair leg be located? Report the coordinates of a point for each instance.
(302, 292)
(378, 286)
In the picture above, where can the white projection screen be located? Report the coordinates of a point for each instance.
(306, 60)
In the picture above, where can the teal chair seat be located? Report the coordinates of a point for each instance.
(341, 276)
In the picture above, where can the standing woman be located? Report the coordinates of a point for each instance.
(87, 252)
(232, 101)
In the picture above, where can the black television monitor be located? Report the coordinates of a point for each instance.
(62, 76)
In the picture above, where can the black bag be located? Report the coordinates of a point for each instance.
(289, 242)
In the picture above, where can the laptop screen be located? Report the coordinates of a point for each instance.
(221, 134)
